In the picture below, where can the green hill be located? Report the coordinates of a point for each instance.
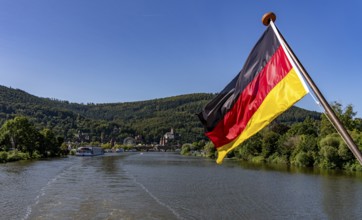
(102, 122)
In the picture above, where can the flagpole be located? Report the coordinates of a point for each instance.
(271, 17)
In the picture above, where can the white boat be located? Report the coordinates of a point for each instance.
(119, 150)
(89, 151)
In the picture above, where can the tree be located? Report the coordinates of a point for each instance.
(286, 145)
(49, 144)
(20, 134)
(329, 157)
(309, 127)
(250, 148)
(346, 116)
(305, 152)
(270, 143)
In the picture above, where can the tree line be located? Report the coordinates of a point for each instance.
(19, 139)
(310, 143)
(106, 124)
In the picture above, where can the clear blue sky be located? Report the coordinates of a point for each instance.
(130, 50)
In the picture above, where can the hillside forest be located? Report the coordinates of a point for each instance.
(43, 127)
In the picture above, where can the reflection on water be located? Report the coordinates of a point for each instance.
(293, 170)
(341, 199)
(170, 186)
(340, 190)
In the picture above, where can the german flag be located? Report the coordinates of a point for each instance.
(268, 84)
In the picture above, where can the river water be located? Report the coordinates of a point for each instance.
(170, 186)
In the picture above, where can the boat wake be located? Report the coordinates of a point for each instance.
(42, 192)
(177, 215)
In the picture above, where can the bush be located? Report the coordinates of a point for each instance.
(35, 155)
(209, 150)
(258, 159)
(10, 156)
(329, 152)
(353, 166)
(277, 159)
(17, 155)
(3, 157)
(303, 159)
(72, 152)
(106, 146)
(329, 157)
(185, 149)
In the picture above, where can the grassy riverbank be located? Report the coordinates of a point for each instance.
(15, 155)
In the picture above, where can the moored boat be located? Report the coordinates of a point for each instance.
(89, 151)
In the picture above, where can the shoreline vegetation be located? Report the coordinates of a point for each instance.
(20, 140)
(32, 127)
(311, 143)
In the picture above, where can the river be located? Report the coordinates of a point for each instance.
(171, 186)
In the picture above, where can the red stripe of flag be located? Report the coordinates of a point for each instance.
(235, 120)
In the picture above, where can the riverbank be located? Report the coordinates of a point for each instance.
(272, 160)
(15, 155)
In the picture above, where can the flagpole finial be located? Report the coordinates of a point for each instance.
(267, 17)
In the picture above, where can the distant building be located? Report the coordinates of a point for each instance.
(82, 137)
(167, 137)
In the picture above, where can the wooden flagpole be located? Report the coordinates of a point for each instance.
(270, 17)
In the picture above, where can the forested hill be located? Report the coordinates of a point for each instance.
(103, 122)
